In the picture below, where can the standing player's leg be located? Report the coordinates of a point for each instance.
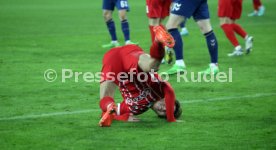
(226, 26)
(225, 13)
(237, 10)
(202, 18)
(259, 9)
(122, 6)
(248, 39)
(172, 26)
(212, 44)
(108, 8)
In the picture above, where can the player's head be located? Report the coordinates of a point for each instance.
(159, 108)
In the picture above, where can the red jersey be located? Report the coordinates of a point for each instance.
(139, 89)
(139, 96)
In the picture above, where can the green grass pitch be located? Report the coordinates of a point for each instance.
(36, 35)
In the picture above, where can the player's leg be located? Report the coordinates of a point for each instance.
(212, 44)
(248, 39)
(172, 26)
(108, 8)
(201, 16)
(111, 28)
(122, 6)
(153, 10)
(166, 5)
(226, 25)
(256, 7)
(261, 8)
(153, 22)
(108, 86)
(238, 29)
(107, 104)
(156, 11)
(151, 62)
(225, 13)
(180, 10)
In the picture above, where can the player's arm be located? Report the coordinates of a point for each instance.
(169, 101)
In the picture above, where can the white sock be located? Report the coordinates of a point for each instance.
(261, 7)
(114, 42)
(246, 37)
(184, 28)
(127, 42)
(238, 48)
(213, 64)
(180, 62)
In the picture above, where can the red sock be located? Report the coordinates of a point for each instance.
(257, 4)
(152, 34)
(105, 102)
(163, 26)
(230, 34)
(238, 29)
(157, 50)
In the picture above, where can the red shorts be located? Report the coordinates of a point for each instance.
(158, 8)
(120, 59)
(230, 8)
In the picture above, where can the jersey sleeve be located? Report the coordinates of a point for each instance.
(169, 101)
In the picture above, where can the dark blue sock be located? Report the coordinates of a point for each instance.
(125, 29)
(178, 47)
(112, 30)
(182, 25)
(212, 43)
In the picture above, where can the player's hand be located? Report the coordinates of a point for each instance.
(180, 121)
(132, 118)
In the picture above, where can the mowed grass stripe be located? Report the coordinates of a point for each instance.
(137, 30)
(242, 97)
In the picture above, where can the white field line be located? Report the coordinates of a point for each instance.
(242, 97)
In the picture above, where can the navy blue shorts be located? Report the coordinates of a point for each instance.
(187, 8)
(120, 4)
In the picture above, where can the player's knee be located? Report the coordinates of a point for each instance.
(170, 25)
(123, 17)
(107, 16)
(225, 20)
(222, 22)
(204, 25)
